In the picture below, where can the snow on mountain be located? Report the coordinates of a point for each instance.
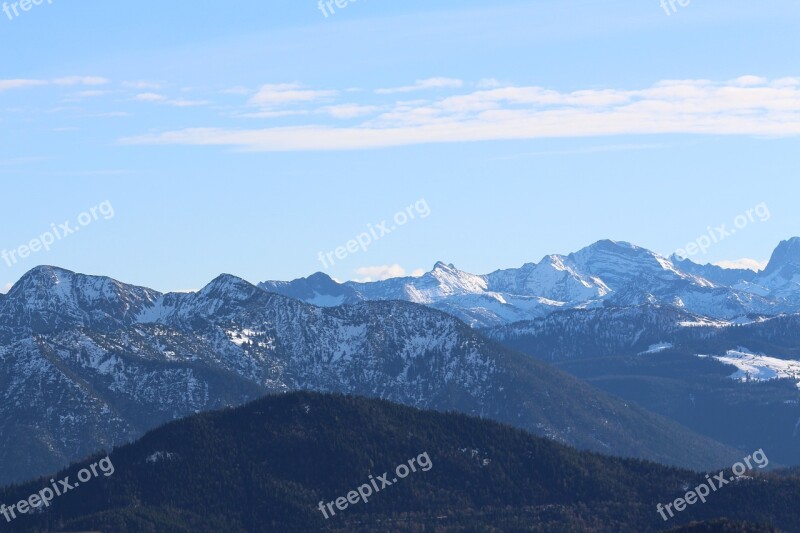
(444, 281)
(605, 273)
(619, 264)
(463, 295)
(657, 348)
(48, 298)
(758, 367)
(553, 278)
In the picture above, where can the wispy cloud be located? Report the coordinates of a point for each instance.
(272, 114)
(150, 97)
(745, 263)
(491, 83)
(349, 110)
(382, 272)
(70, 80)
(81, 80)
(424, 85)
(745, 106)
(161, 99)
(237, 90)
(90, 94)
(282, 94)
(6, 85)
(142, 85)
(184, 102)
(82, 95)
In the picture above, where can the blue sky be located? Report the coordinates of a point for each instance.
(248, 138)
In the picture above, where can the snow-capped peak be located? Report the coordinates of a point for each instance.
(228, 286)
(454, 281)
(48, 297)
(43, 276)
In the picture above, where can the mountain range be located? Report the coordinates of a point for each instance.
(88, 362)
(602, 274)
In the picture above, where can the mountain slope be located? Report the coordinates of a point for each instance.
(268, 465)
(707, 375)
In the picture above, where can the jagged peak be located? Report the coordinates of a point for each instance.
(786, 253)
(441, 265)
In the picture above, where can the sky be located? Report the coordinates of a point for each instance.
(271, 140)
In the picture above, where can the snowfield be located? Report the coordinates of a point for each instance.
(759, 367)
(655, 348)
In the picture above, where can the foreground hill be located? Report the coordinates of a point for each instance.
(267, 466)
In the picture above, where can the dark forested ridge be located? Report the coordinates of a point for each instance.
(267, 465)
